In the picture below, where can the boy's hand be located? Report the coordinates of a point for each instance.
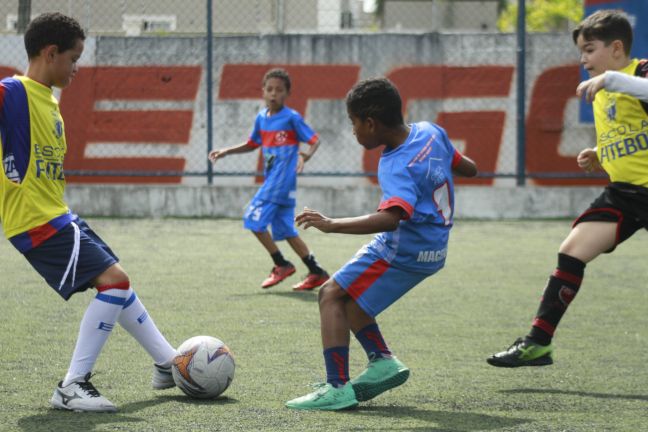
(216, 154)
(587, 160)
(590, 87)
(300, 163)
(311, 218)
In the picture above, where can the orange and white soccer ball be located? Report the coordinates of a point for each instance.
(204, 367)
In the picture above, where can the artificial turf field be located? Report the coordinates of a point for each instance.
(203, 276)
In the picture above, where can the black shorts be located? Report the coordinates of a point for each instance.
(622, 203)
(52, 258)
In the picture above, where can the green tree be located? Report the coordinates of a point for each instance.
(542, 15)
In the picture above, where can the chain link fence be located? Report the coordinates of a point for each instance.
(154, 93)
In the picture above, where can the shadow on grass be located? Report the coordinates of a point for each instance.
(450, 421)
(577, 393)
(58, 420)
(307, 296)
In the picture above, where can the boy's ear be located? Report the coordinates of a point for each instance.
(371, 123)
(49, 52)
(618, 48)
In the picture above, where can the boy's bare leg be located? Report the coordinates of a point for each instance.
(298, 245)
(335, 325)
(587, 240)
(266, 240)
(358, 319)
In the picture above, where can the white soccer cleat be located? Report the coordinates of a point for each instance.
(162, 377)
(82, 397)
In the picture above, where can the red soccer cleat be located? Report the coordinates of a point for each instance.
(312, 281)
(278, 274)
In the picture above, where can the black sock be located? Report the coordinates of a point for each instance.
(561, 289)
(278, 259)
(311, 263)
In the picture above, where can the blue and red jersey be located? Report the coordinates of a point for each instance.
(279, 136)
(417, 177)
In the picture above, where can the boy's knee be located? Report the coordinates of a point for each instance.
(330, 291)
(113, 276)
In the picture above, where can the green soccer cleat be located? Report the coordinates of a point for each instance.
(381, 374)
(326, 398)
(523, 352)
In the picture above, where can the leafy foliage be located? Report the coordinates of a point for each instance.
(543, 15)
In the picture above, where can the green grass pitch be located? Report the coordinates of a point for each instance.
(203, 276)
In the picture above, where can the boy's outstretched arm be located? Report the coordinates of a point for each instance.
(614, 81)
(245, 147)
(466, 167)
(384, 220)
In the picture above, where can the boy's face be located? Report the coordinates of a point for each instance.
(364, 131)
(596, 57)
(63, 65)
(274, 93)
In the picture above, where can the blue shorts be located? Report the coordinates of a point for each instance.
(373, 283)
(52, 258)
(261, 213)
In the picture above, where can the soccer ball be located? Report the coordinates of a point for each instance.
(204, 367)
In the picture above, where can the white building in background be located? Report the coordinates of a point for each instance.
(174, 17)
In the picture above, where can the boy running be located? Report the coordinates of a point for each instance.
(278, 130)
(413, 222)
(618, 89)
(57, 243)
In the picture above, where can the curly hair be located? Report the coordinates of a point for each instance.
(277, 73)
(606, 25)
(377, 98)
(52, 29)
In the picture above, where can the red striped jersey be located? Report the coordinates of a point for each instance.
(279, 136)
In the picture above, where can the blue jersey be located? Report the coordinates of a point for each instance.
(279, 136)
(417, 177)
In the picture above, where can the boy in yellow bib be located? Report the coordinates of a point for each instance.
(618, 89)
(57, 243)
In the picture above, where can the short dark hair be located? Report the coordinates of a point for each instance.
(606, 25)
(277, 73)
(52, 29)
(377, 98)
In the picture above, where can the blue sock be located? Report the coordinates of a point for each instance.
(372, 341)
(337, 365)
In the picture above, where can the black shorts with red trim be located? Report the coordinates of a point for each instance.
(622, 203)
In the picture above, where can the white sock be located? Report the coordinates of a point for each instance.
(96, 325)
(136, 320)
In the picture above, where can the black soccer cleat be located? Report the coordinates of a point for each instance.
(523, 352)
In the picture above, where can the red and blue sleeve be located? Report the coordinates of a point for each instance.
(399, 190)
(304, 132)
(456, 158)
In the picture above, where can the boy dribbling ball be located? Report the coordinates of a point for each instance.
(57, 243)
(412, 223)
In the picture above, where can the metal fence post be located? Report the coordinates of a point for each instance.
(24, 15)
(209, 87)
(521, 93)
(281, 16)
